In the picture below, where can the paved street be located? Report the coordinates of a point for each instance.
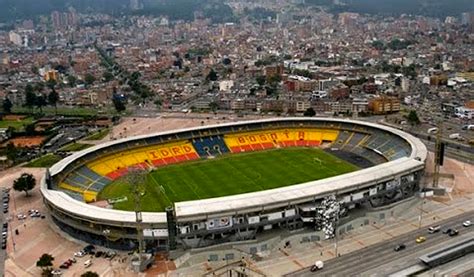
(381, 260)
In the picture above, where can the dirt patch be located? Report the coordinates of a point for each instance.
(12, 117)
(461, 185)
(27, 141)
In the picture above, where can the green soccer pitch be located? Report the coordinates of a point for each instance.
(228, 175)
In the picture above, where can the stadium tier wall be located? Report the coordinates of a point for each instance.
(394, 164)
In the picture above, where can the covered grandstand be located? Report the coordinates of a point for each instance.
(393, 162)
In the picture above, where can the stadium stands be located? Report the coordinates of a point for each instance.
(116, 165)
(254, 141)
(391, 165)
(210, 146)
(93, 174)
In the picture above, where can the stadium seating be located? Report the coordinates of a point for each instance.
(77, 191)
(86, 181)
(116, 165)
(210, 146)
(254, 141)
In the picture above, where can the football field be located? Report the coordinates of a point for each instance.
(228, 175)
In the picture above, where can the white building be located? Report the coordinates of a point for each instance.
(226, 85)
(15, 38)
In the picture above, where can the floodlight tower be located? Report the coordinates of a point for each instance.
(136, 179)
(439, 152)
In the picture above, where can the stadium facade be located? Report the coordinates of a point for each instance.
(392, 163)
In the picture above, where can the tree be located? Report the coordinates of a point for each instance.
(7, 105)
(108, 76)
(51, 83)
(310, 112)
(30, 129)
(25, 183)
(274, 79)
(89, 274)
(11, 151)
(158, 103)
(260, 80)
(213, 106)
(46, 260)
(135, 76)
(53, 98)
(89, 79)
(47, 272)
(30, 96)
(226, 61)
(212, 76)
(118, 103)
(39, 87)
(40, 102)
(71, 80)
(377, 44)
(413, 118)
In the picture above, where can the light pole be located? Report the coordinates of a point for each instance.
(106, 233)
(335, 228)
(420, 217)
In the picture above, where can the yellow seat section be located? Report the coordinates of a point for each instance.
(330, 135)
(279, 136)
(71, 188)
(89, 196)
(127, 158)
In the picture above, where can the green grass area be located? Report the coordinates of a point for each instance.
(229, 175)
(44, 161)
(75, 147)
(66, 111)
(98, 135)
(17, 124)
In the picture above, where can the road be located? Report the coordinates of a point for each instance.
(374, 257)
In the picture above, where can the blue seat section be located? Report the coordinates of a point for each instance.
(210, 146)
(74, 195)
(85, 178)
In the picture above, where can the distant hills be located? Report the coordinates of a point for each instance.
(432, 8)
(22, 9)
(184, 9)
(175, 9)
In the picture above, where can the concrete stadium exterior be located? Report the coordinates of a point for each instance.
(241, 217)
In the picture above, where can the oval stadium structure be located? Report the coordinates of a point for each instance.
(389, 165)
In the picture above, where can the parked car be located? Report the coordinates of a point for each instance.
(72, 261)
(80, 254)
(88, 249)
(35, 214)
(110, 254)
(21, 216)
(87, 263)
(467, 223)
(64, 265)
(56, 272)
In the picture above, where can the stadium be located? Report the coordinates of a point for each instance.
(231, 182)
